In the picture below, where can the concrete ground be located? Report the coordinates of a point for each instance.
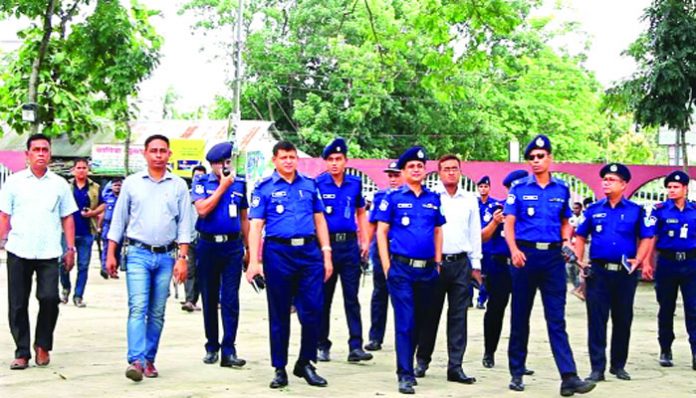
(90, 345)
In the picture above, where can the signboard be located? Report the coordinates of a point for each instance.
(109, 159)
(186, 154)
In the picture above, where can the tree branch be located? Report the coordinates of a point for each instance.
(380, 48)
(36, 65)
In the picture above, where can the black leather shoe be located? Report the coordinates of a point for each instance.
(595, 376)
(210, 357)
(358, 355)
(280, 379)
(323, 355)
(574, 385)
(488, 361)
(373, 346)
(528, 372)
(460, 377)
(420, 369)
(405, 387)
(516, 384)
(308, 372)
(620, 373)
(666, 359)
(228, 361)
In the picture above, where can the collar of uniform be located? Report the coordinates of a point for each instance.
(622, 202)
(531, 179)
(669, 203)
(276, 177)
(89, 182)
(406, 189)
(329, 178)
(31, 174)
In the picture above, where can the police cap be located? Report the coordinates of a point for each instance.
(484, 180)
(391, 168)
(677, 176)
(514, 176)
(336, 146)
(219, 152)
(616, 168)
(539, 142)
(412, 153)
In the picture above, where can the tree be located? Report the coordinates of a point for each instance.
(83, 64)
(456, 76)
(662, 91)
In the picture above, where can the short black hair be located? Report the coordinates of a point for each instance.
(588, 201)
(283, 146)
(156, 137)
(80, 160)
(449, 156)
(577, 204)
(199, 167)
(37, 137)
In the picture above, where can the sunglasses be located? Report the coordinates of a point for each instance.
(536, 156)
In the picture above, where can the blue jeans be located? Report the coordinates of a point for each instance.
(83, 245)
(147, 279)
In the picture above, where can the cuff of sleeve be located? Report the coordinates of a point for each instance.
(476, 264)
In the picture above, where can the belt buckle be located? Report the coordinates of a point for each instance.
(341, 237)
(220, 238)
(449, 257)
(419, 263)
(680, 256)
(613, 267)
(297, 241)
(543, 245)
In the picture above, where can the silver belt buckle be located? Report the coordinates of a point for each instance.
(297, 241)
(419, 263)
(680, 256)
(450, 257)
(613, 267)
(340, 237)
(220, 238)
(543, 245)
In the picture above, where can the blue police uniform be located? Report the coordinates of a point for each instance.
(292, 261)
(412, 276)
(675, 232)
(538, 212)
(496, 271)
(219, 258)
(615, 234)
(341, 203)
(110, 203)
(380, 294)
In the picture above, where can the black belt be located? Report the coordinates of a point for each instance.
(450, 258)
(413, 262)
(540, 245)
(677, 255)
(154, 249)
(500, 258)
(609, 266)
(343, 237)
(301, 241)
(219, 238)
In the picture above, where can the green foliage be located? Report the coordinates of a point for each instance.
(91, 68)
(459, 76)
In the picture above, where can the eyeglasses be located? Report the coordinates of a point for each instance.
(536, 156)
(611, 179)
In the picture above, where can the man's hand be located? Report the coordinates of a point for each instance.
(328, 267)
(111, 266)
(69, 260)
(476, 274)
(385, 269)
(226, 181)
(364, 250)
(180, 270)
(648, 272)
(518, 258)
(252, 270)
(498, 217)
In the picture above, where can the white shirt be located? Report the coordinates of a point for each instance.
(36, 207)
(462, 231)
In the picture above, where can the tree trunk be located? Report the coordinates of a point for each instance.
(684, 149)
(36, 65)
(126, 156)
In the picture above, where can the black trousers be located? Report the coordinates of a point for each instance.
(19, 280)
(191, 284)
(499, 287)
(454, 283)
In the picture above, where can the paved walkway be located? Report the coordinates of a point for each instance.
(88, 359)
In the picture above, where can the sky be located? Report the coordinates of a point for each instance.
(194, 66)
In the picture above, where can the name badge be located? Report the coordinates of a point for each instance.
(405, 221)
(232, 210)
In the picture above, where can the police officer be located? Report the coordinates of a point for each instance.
(344, 204)
(288, 204)
(221, 204)
(621, 237)
(409, 238)
(486, 206)
(380, 295)
(536, 226)
(109, 202)
(495, 267)
(675, 233)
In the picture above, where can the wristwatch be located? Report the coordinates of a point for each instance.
(181, 256)
(71, 249)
